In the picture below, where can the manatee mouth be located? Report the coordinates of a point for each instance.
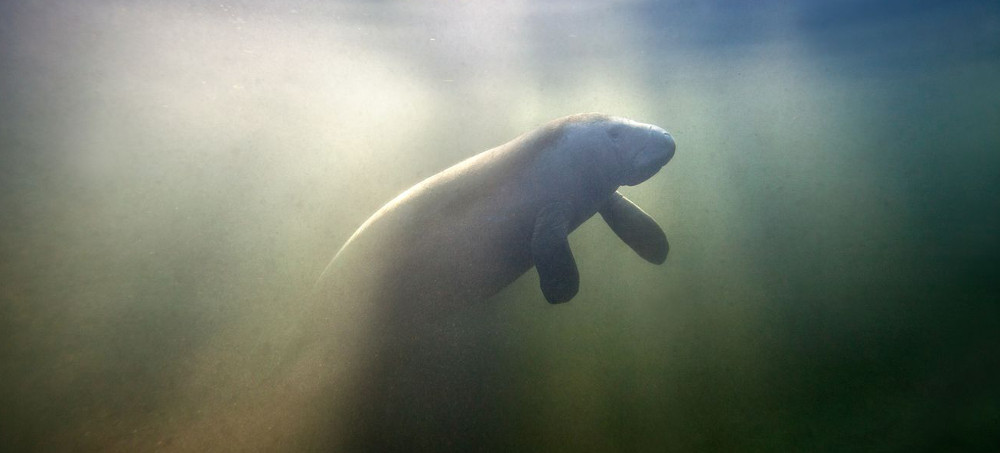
(657, 150)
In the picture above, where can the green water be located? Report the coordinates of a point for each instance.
(174, 177)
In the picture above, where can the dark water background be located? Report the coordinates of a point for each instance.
(174, 176)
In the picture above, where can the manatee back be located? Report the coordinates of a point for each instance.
(457, 236)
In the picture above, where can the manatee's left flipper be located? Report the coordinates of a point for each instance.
(635, 228)
(550, 251)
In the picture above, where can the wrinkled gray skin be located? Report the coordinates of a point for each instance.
(472, 229)
(386, 360)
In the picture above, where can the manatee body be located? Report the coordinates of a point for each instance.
(389, 357)
(472, 229)
(377, 364)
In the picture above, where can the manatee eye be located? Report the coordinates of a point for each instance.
(616, 131)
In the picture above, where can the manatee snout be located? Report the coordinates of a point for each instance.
(657, 150)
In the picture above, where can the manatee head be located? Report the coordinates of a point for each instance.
(610, 151)
(628, 152)
(641, 149)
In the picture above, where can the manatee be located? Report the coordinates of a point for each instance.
(389, 354)
(467, 232)
(392, 352)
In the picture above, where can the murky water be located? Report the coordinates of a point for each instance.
(174, 177)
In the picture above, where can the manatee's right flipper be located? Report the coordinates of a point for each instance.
(635, 228)
(550, 251)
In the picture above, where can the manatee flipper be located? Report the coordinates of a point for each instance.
(635, 228)
(550, 251)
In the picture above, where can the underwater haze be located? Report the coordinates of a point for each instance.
(174, 177)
